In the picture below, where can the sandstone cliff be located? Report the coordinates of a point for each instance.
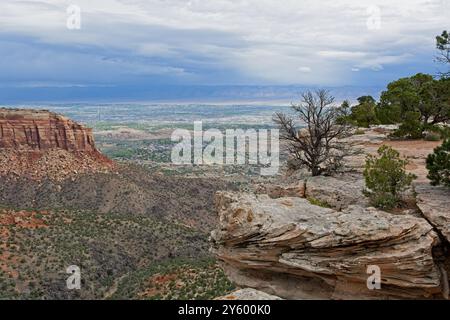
(42, 130)
(296, 250)
(40, 143)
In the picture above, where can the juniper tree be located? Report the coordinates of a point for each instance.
(438, 165)
(386, 177)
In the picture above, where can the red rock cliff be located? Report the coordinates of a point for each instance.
(42, 130)
(39, 143)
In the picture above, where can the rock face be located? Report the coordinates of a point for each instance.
(434, 202)
(249, 294)
(279, 191)
(39, 143)
(42, 130)
(295, 250)
(338, 193)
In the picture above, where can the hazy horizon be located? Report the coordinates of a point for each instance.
(179, 94)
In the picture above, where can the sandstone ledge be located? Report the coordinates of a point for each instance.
(434, 202)
(249, 294)
(295, 250)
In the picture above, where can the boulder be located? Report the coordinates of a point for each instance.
(249, 294)
(295, 250)
(278, 190)
(338, 192)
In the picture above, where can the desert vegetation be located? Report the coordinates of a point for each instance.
(38, 246)
(419, 104)
(443, 57)
(179, 279)
(386, 178)
(438, 165)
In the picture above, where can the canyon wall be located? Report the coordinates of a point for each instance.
(42, 130)
(40, 144)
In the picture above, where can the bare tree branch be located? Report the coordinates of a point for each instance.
(316, 145)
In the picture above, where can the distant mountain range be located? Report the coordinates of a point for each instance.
(179, 93)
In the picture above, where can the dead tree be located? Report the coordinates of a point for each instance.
(316, 145)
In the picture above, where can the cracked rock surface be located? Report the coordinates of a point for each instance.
(296, 250)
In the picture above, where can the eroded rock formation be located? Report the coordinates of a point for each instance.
(296, 250)
(248, 294)
(39, 143)
(337, 192)
(434, 202)
(42, 130)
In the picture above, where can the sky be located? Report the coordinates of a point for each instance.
(52, 48)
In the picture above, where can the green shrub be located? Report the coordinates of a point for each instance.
(388, 114)
(431, 136)
(345, 112)
(438, 165)
(363, 114)
(411, 127)
(386, 178)
(420, 93)
(443, 132)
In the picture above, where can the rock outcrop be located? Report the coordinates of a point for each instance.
(39, 143)
(248, 294)
(276, 191)
(337, 192)
(295, 250)
(42, 130)
(434, 202)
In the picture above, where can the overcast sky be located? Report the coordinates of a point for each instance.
(146, 42)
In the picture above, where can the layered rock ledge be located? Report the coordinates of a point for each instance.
(295, 250)
(338, 193)
(434, 203)
(26, 129)
(248, 294)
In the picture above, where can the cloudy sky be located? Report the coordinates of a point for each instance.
(216, 42)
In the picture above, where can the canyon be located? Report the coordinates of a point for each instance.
(291, 236)
(135, 230)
